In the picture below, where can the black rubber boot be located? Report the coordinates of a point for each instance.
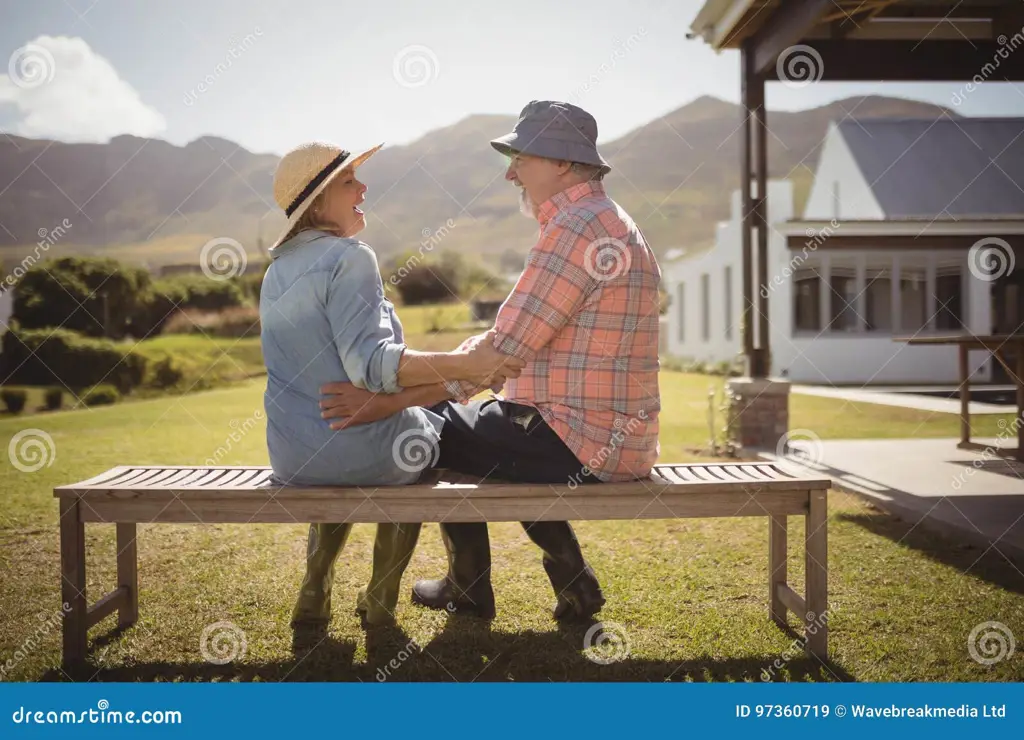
(467, 587)
(576, 587)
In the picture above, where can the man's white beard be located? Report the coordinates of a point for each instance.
(526, 205)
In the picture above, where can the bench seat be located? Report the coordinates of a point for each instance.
(131, 495)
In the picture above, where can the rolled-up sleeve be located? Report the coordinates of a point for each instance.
(362, 329)
(551, 289)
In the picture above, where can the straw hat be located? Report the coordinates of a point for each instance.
(304, 173)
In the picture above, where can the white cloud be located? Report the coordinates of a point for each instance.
(64, 90)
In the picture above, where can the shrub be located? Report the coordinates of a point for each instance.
(54, 398)
(13, 400)
(45, 357)
(241, 321)
(101, 395)
(167, 372)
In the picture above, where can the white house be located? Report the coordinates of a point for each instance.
(882, 251)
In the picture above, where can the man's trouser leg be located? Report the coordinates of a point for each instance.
(507, 441)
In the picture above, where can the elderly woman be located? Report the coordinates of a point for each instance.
(324, 318)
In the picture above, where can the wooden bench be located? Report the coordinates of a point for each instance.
(127, 496)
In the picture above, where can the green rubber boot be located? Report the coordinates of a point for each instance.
(325, 542)
(392, 551)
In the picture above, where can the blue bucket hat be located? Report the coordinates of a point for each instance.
(554, 130)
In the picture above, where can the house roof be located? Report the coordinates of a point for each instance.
(946, 168)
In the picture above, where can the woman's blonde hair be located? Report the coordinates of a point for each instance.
(312, 218)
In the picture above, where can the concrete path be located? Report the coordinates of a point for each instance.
(905, 400)
(975, 497)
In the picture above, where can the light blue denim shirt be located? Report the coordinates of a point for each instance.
(325, 319)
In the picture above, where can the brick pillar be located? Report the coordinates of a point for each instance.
(758, 412)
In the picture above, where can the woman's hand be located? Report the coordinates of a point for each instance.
(486, 366)
(351, 406)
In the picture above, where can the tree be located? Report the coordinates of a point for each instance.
(97, 297)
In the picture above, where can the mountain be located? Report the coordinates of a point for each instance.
(152, 202)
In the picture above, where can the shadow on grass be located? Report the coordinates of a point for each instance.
(466, 650)
(990, 566)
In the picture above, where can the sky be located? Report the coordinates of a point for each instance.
(270, 74)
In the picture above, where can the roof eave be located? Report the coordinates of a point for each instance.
(717, 18)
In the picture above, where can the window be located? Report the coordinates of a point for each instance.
(806, 300)
(843, 284)
(705, 303)
(878, 295)
(728, 302)
(681, 299)
(948, 304)
(913, 296)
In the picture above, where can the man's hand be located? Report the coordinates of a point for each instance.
(352, 406)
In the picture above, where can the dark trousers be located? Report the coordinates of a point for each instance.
(501, 440)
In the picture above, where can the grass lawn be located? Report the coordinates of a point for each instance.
(689, 596)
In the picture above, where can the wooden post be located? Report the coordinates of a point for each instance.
(1019, 383)
(127, 573)
(816, 567)
(777, 552)
(965, 397)
(72, 588)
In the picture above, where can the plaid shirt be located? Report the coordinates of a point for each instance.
(584, 315)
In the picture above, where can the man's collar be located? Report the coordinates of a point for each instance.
(549, 208)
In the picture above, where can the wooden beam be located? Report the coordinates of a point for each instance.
(851, 60)
(785, 27)
(924, 242)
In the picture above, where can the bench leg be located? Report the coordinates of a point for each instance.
(777, 553)
(816, 618)
(127, 574)
(72, 571)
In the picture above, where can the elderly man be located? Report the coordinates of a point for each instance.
(584, 316)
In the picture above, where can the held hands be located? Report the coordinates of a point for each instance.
(486, 366)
